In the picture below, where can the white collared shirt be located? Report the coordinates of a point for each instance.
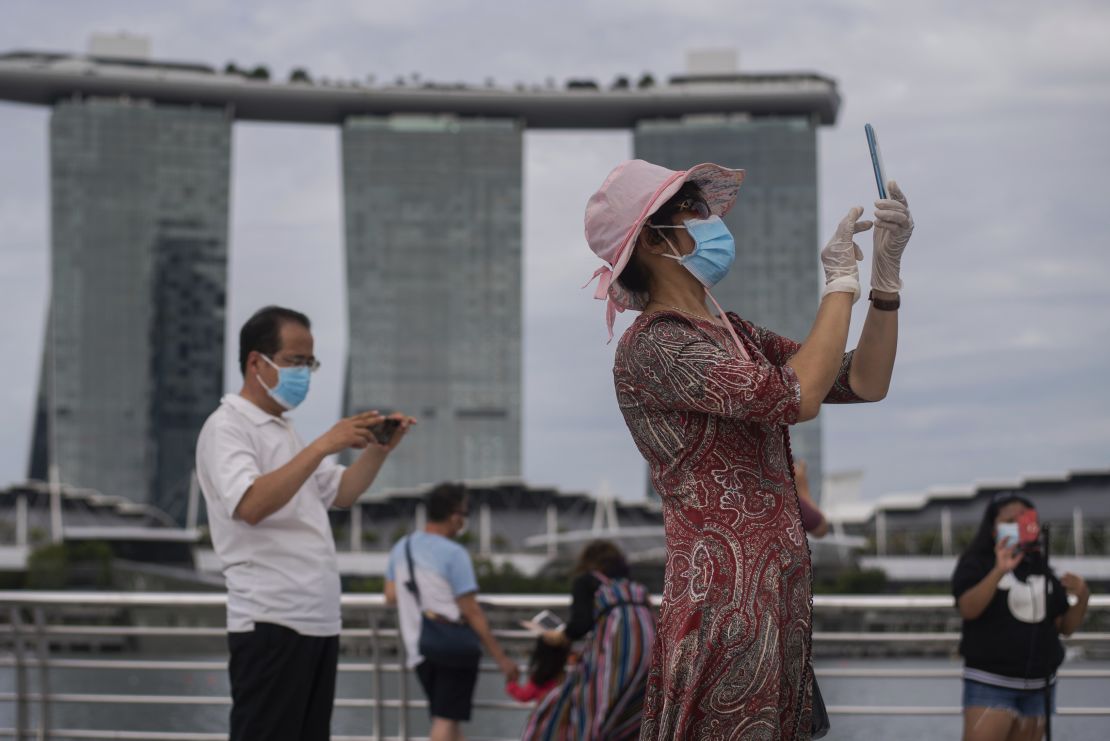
(282, 570)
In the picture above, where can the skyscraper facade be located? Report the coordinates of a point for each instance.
(774, 281)
(433, 239)
(133, 358)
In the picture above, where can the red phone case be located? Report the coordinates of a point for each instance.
(1029, 529)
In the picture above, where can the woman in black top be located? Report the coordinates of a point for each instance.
(602, 696)
(1010, 651)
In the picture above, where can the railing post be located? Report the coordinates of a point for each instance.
(376, 652)
(402, 687)
(16, 619)
(42, 648)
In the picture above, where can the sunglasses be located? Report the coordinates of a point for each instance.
(698, 206)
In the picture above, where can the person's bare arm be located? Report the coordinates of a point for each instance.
(818, 360)
(361, 474)
(476, 618)
(1070, 621)
(272, 491)
(873, 363)
(972, 602)
(390, 592)
(820, 357)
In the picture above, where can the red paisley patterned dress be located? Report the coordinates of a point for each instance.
(732, 654)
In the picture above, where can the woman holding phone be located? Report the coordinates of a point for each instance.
(603, 694)
(708, 398)
(1014, 611)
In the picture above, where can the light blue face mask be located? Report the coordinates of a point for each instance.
(1007, 532)
(714, 249)
(292, 385)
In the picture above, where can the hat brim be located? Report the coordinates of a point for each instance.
(719, 185)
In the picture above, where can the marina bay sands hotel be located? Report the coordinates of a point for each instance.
(140, 156)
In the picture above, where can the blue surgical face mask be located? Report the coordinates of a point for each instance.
(292, 385)
(714, 249)
(1007, 532)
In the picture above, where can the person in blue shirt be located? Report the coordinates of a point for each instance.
(448, 588)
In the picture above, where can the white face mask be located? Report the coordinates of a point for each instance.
(464, 528)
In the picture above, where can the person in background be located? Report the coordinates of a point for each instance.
(268, 495)
(1004, 592)
(603, 694)
(813, 519)
(449, 591)
(546, 669)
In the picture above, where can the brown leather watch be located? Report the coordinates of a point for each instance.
(883, 304)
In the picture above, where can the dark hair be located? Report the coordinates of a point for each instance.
(547, 661)
(444, 501)
(635, 278)
(262, 332)
(603, 556)
(983, 542)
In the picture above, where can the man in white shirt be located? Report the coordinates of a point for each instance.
(268, 495)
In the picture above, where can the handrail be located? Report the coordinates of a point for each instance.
(30, 657)
(524, 601)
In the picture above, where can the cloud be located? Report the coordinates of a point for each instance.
(992, 117)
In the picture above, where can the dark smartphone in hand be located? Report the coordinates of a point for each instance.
(383, 431)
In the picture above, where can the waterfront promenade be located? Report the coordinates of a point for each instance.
(152, 666)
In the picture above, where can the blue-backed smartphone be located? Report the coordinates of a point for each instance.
(876, 159)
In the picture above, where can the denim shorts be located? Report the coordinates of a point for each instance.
(1026, 703)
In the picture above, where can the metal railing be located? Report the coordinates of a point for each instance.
(29, 635)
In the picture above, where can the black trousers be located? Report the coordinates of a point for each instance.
(282, 684)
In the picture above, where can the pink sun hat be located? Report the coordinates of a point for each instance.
(632, 192)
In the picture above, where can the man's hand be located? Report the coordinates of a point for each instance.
(349, 432)
(400, 432)
(893, 227)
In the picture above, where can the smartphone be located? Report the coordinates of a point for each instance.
(1029, 528)
(383, 431)
(876, 159)
(547, 620)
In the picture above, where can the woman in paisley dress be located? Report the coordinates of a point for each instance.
(708, 400)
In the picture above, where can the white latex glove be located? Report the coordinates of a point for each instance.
(893, 227)
(841, 256)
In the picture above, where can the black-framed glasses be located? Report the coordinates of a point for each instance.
(463, 512)
(298, 361)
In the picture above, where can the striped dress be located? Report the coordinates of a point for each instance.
(602, 696)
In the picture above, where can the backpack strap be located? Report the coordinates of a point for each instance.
(411, 584)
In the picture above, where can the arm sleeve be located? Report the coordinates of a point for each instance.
(327, 478)
(970, 570)
(460, 575)
(391, 567)
(228, 462)
(778, 350)
(811, 516)
(582, 606)
(675, 367)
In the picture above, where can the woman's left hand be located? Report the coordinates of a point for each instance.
(554, 637)
(1076, 586)
(893, 227)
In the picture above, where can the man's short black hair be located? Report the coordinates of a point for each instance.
(262, 332)
(444, 501)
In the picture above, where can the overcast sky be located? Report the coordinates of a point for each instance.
(993, 118)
